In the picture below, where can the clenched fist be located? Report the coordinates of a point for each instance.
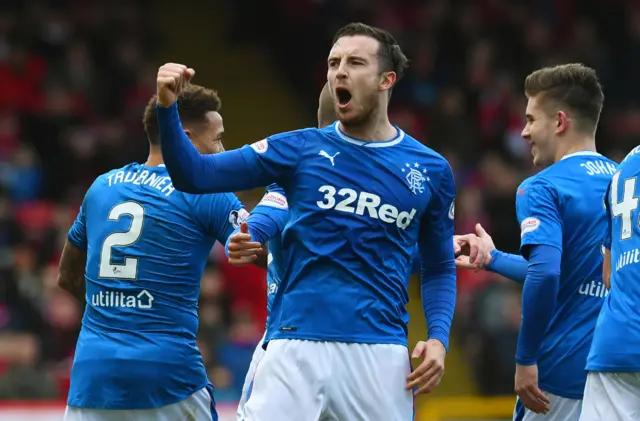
(172, 79)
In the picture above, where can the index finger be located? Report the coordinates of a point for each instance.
(473, 251)
(539, 394)
(245, 245)
(420, 370)
(241, 237)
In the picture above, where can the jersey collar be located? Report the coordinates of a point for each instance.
(366, 144)
(581, 153)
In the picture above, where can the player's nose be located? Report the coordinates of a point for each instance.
(342, 73)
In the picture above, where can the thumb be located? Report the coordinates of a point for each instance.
(480, 232)
(244, 228)
(189, 73)
(418, 350)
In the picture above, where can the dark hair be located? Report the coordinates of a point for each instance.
(574, 86)
(194, 103)
(390, 55)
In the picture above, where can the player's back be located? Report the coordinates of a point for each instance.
(147, 245)
(355, 210)
(577, 185)
(616, 343)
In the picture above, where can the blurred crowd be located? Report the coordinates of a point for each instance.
(463, 96)
(74, 79)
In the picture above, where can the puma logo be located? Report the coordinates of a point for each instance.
(329, 157)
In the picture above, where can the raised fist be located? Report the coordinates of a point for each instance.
(172, 78)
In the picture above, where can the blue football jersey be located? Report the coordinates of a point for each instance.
(356, 211)
(562, 207)
(616, 340)
(147, 245)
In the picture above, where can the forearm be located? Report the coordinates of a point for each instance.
(438, 288)
(512, 266)
(539, 298)
(193, 172)
(71, 271)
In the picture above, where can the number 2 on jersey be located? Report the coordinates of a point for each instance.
(626, 206)
(129, 270)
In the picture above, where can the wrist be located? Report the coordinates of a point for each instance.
(438, 342)
(165, 102)
(493, 256)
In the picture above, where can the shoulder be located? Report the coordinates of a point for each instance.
(293, 135)
(535, 187)
(414, 146)
(629, 165)
(105, 179)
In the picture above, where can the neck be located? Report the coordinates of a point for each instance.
(578, 143)
(376, 128)
(155, 157)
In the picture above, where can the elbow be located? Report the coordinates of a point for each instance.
(185, 186)
(64, 283)
(186, 183)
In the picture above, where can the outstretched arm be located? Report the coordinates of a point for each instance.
(266, 221)
(261, 164)
(511, 266)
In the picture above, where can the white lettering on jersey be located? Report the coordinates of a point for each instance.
(274, 200)
(369, 202)
(452, 210)
(627, 258)
(273, 288)
(599, 167)
(593, 289)
(260, 146)
(529, 225)
(141, 300)
(144, 178)
(237, 217)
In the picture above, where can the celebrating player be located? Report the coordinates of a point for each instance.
(361, 194)
(612, 391)
(562, 225)
(145, 245)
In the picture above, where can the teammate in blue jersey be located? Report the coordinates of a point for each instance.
(267, 221)
(612, 391)
(361, 194)
(145, 245)
(562, 224)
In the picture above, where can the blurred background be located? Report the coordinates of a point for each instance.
(74, 79)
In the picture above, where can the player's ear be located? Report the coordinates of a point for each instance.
(562, 122)
(387, 80)
(189, 133)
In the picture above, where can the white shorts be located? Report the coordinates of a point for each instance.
(300, 380)
(562, 409)
(611, 397)
(248, 379)
(197, 407)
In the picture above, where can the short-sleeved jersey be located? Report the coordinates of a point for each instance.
(616, 340)
(562, 207)
(147, 245)
(356, 211)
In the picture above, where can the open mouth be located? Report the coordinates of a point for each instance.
(343, 96)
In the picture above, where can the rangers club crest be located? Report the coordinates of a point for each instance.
(415, 177)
